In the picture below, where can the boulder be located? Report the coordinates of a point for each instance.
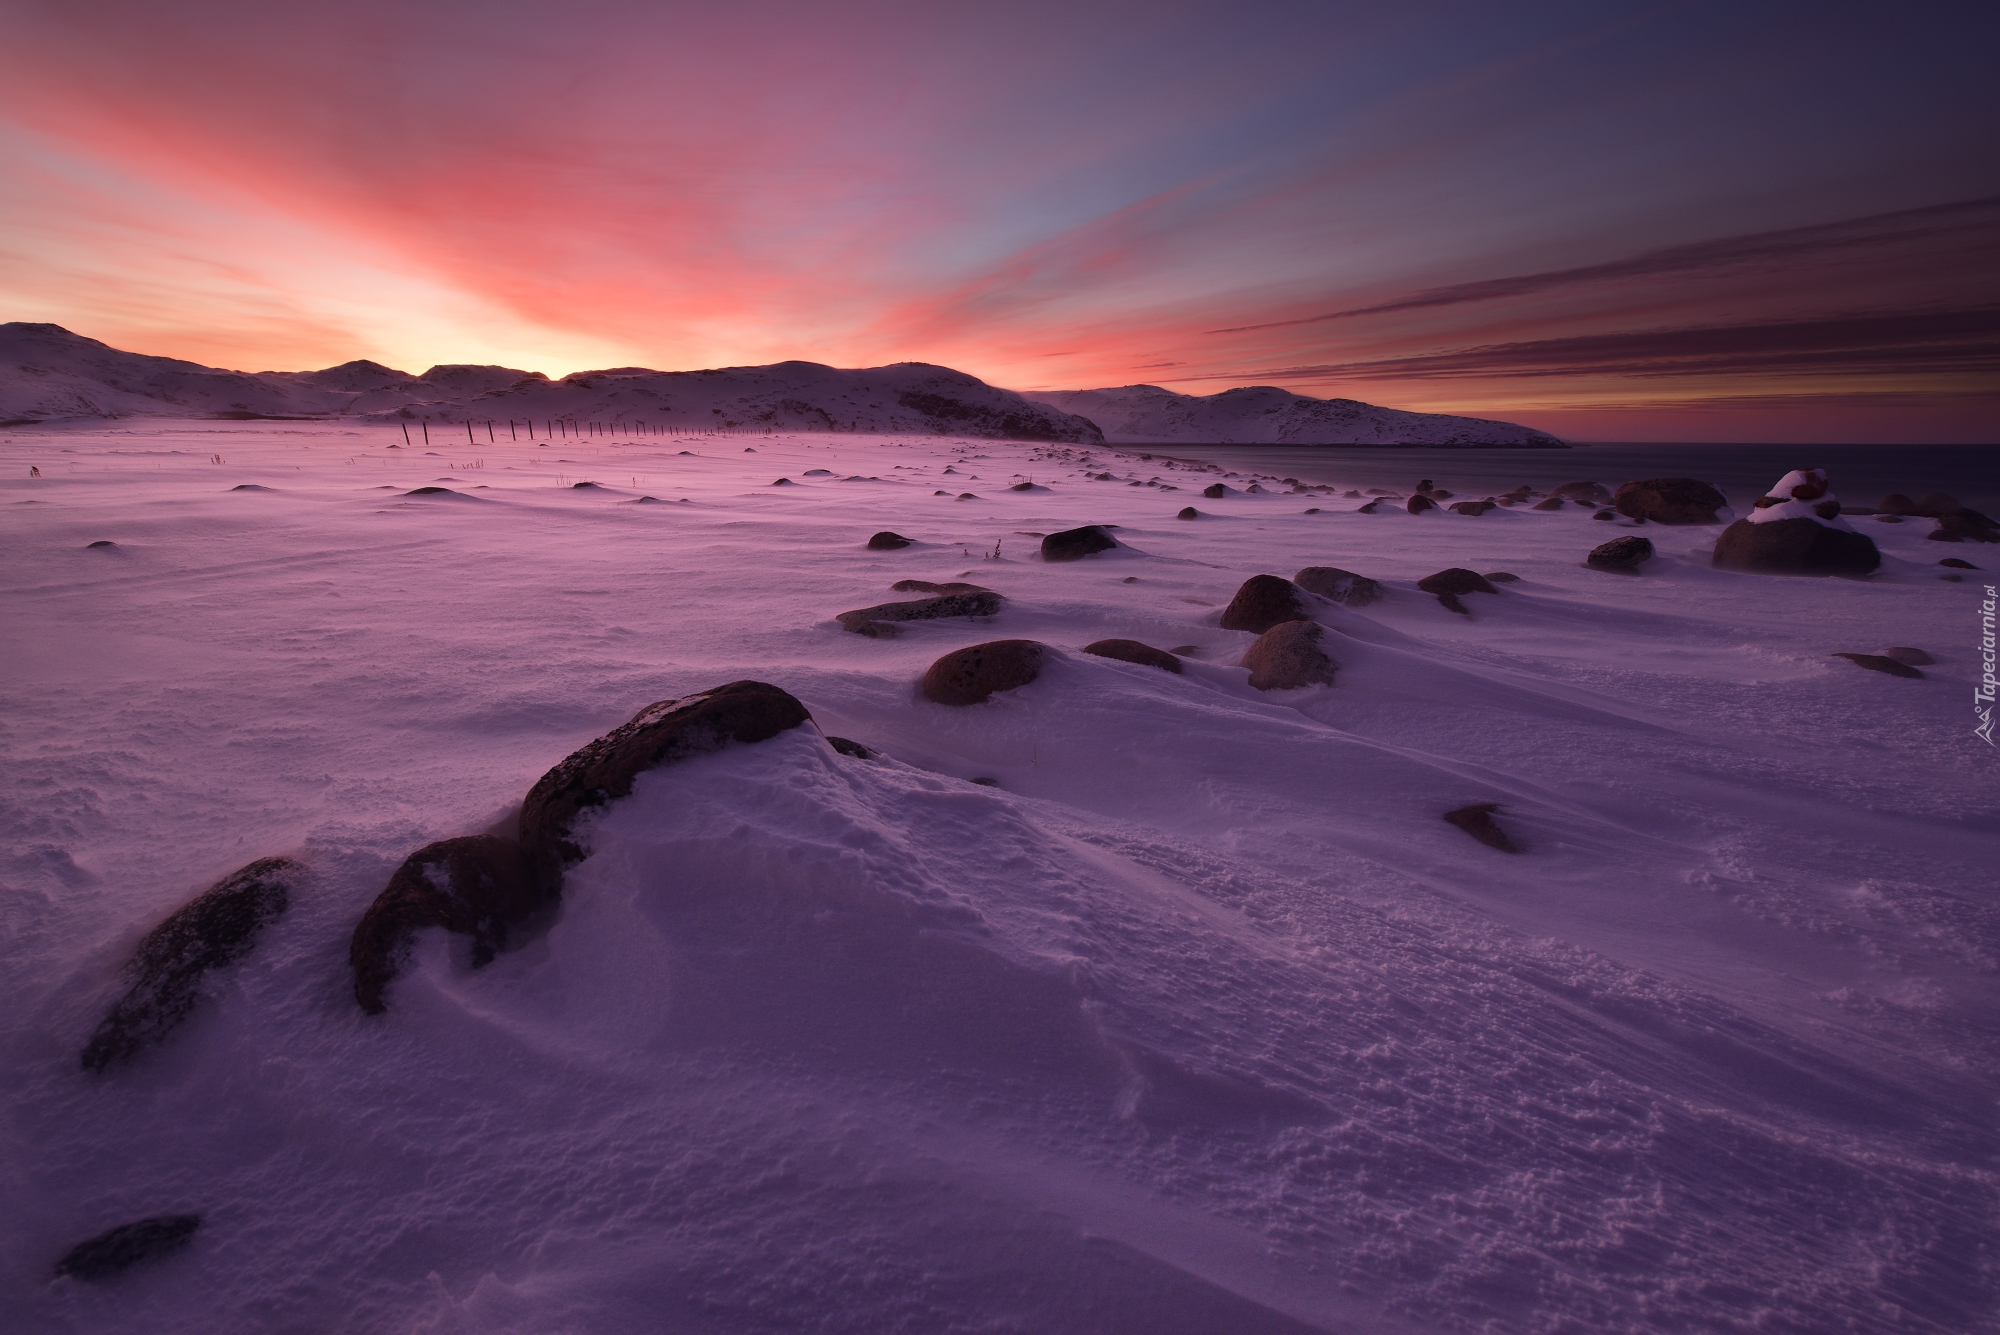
(1609, 514)
(1262, 602)
(1957, 564)
(1419, 503)
(1470, 507)
(660, 734)
(1337, 585)
(1215, 491)
(1456, 579)
(925, 586)
(1477, 821)
(852, 748)
(879, 621)
(117, 1248)
(1794, 547)
(1964, 526)
(1548, 503)
(1896, 503)
(478, 886)
(1670, 500)
(1584, 493)
(218, 927)
(1188, 512)
(100, 544)
(1908, 656)
(971, 675)
(1076, 543)
(1881, 663)
(1132, 651)
(1624, 555)
(885, 541)
(1288, 656)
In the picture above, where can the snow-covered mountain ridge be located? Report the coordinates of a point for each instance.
(1267, 415)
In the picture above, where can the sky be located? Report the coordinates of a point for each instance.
(1669, 221)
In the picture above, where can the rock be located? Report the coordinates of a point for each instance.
(1624, 555)
(1794, 547)
(967, 496)
(660, 734)
(1951, 561)
(1474, 508)
(1288, 656)
(128, 1244)
(1964, 526)
(1313, 510)
(1439, 494)
(1367, 509)
(1131, 651)
(1670, 500)
(1215, 491)
(1076, 543)
(1585, 493)
(1909, 657)
(925, 586)
(1548, 503)
(1188, 512)
(1608, 514)
(1340, 586)
(885, 541)
(1262, 602)
(1501, 577)
(1025, 486)
(1477, 821)
(878, 622)
(478, 886)
(971, 675)
(218, 927)
(1419, 503)
(850, 748)
(781, 482)
(1456, 579)
(436, 491)
(101, 542)
(1881, 663)
(1896, 503)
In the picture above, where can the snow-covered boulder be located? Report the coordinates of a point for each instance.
(1796, 529)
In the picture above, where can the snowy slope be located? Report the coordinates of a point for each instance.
(1263, 414)
(1195, 1018)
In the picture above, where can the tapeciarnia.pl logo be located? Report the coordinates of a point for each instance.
(1982, 694)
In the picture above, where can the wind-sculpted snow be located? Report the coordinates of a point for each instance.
(1123, 1001)
(1266, 415)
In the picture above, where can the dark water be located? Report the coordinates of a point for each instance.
(1860, 474)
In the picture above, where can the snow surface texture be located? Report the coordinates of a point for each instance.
(1193, 1016)
(1266, 415)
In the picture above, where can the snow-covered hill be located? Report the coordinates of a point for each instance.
(47, 372)
(1266, 415)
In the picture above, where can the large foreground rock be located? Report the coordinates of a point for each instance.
(217, 927)
(1670, 500)
(1289, 656)
(971, 675)
(1339, 586)
(880, 620)
(479, 886)
(660, 734)
(1073, 544)
(1133, 651)
(1794, 547)
(1262, 602)
(115, 1249)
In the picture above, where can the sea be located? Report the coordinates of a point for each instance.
(1860, 474)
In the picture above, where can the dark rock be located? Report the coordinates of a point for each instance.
(925, 586)
(1624, 555)
(1313, 510)
(986, 781)
(967, 496)
(1425, 484)
(478, 886)
(1419, 503)
(1471, 507)
(1896, 503)
(1951, 561)
(1076, 543)
(1367, 509)
(1964, 526)
(128, 1244)
(1131, 651)
(1670, 500)
(1439, 494)
(847, 747)
(1502, 577)
(660, 734)
(431, 491)
(1794, 547)
(582, 486)
(971, 675)
(102, 542)
(1607, 514)
(1548, 503)
(1881, 663)
(1909, 657)
(218, 927)
(1262, 602)
(1585, 493)
(1288, 656)
(1188, 512)
(878, 622)
(1024, 486)
(885, 541)
(784, 482)
(1477, 821)
(1456, 579)
(1337, 585)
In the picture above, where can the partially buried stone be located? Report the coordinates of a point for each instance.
(1473, 507)
(1214, 491)
(1909, 656)
(1456, 579)
(1289, 656)
(1548, 503)
(218, 927)
(1076, 543)
(849, 747)
(1477, 821)
(1670, 500)
(1188, 512)
(1419, 503)
(1502, 577)
(119, 1248)
(925, 586)
(879, 621)
(1623, 555)
(1881, 663)
(478, 886)
(1337, 585)
(662, 733)
(971, 675)
(885, 541)
(1262, 602)
(1951, 561)
(102, 542)
(1607, 514)
(1132, 651)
